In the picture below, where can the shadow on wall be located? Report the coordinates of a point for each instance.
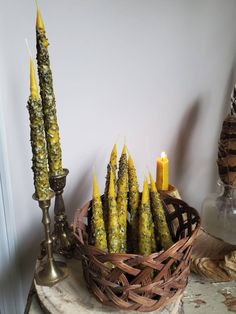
(182, 141)
(222, 115)
(79, 193)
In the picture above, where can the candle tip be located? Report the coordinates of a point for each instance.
(39, 20)
(36, 3)
(124, 150)
(117, 138)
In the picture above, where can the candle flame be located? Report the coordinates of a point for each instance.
(163, 155)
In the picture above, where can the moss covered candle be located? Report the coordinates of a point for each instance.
(48, 99)
(37, 138)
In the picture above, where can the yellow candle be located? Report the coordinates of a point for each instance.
(34, 92)
(162, 172)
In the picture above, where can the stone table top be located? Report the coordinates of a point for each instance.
(71, 296)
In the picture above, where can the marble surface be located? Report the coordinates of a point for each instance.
(71, 296)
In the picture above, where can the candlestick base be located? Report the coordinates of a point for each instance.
(51, 273)
(63, 238)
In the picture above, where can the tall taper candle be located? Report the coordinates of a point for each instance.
(37, 137)
(48, 100)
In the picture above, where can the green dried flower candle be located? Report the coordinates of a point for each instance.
(98, 227)
(133, 201)
(48, 100)
(122, 188)
(37, 138)
(113, 224)
(159, 217)
(112, 165)
(145, 230)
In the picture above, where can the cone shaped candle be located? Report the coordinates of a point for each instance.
(159, 216)
(133, 202)
(145, 232)
(48, 100)
(37, 137)
(113, 225)
(98, 227)
(122, 188)
(112, 165)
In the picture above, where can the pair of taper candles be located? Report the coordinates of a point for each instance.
(44, 131)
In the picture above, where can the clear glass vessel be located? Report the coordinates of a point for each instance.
(219, 213)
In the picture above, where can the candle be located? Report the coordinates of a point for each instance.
(37, 138)
(113, 224)
(159, 217)
(122, 189)
(162, 173)
(145, 230)
(112, 165)
(98, 226)
(133, 202)
(48, 100)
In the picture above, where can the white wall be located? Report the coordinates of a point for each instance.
(159, 73)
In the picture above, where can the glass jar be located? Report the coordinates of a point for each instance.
(219, 213)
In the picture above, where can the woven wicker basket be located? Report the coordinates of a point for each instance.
(143, 283)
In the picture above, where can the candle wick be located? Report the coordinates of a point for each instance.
(117, 138)
(36, 2)
(28, 47)
(94, 169)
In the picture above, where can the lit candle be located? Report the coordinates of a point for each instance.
(37, 138)
(162, 181)
(48, 99)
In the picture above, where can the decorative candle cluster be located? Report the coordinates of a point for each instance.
(128, 213)
(43, 120)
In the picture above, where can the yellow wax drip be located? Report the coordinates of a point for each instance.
(34, 92)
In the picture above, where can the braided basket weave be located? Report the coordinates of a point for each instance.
(143, 283)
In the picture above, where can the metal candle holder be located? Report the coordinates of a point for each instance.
(50, 272)
(63, 239)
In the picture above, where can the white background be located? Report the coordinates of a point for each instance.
(158, 73)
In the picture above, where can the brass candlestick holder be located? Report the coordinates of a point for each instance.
(63, 238)
(50, 272)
